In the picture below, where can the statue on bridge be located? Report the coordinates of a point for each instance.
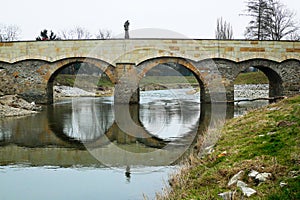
(126, 27)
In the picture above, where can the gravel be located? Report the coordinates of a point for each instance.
(251, 91)
(67, 91)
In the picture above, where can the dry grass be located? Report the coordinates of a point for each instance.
(265, 140)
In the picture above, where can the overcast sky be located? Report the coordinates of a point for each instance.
(192, 18)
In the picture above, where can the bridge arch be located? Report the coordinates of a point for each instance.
(269, 68)
(146, 65)
(58, 66)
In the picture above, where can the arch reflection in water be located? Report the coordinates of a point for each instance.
(45, 134)
(166, 127)
(169, 117)
(86, 120)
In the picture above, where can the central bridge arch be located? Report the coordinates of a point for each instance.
(149, 64)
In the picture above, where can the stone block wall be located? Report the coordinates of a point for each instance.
(27, 67)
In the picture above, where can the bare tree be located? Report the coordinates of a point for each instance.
(224, 30)
(76, 33)
(282, 21)
(271, 20)
(9, 32)
(80, 33)
(294, 36)
(103, 34)
(64, 34)
(260, 12)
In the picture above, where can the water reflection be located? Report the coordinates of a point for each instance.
(81, 119)
(90, 123)
(170, 113)
(168, 121)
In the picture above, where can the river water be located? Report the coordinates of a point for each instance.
(89, 148)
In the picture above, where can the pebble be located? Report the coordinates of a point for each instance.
(227, 195)
(261, 177)
(235, 178)
(253, 173)
(251, 91)
(282, 184)
(247, 191)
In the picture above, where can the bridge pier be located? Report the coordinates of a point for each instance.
(127, 85)
(290, 71)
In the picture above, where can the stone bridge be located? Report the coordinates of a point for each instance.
(28, 68)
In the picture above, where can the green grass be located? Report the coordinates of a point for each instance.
(251, 78)
(168, 80)
(84, 80)
(243, 78)
(266, 140)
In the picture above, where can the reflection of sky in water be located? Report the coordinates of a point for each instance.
(164, 113)
(79, 183)
(90, 118)
(175, 94)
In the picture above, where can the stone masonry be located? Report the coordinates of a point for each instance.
(29, 68)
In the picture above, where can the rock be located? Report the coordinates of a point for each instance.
(282, 184)
(241, 184)
(274, 108)
(209, 149)
(7, 111)
(262, 177)
(12, 105)
(235, 178)
(17, 102)
(294, 174)
(271, 133)
(247, 191)
(253, 173)
(227, 195)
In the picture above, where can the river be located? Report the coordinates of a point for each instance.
(89, 148)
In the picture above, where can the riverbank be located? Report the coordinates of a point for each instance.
(241, 91)
(67, 91)
(257, 156)
(12, 105)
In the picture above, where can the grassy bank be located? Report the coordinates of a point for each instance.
(168, 80)
(251, 78)
(265, 140)
(84, 80)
